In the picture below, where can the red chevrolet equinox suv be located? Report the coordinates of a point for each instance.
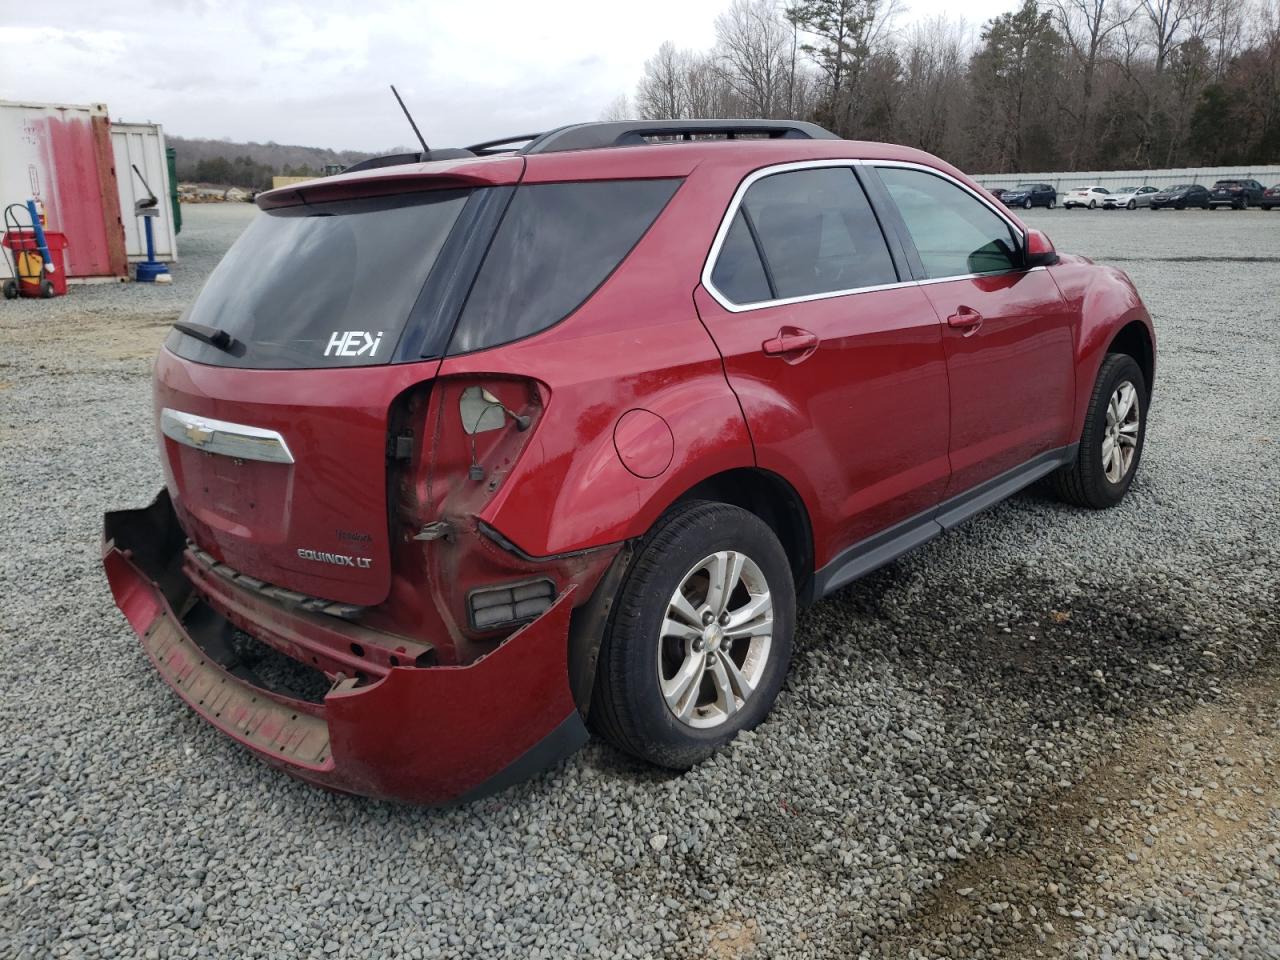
(466, 450)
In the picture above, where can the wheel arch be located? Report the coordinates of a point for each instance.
(775, 501)
(763, 493)
(1134, 339)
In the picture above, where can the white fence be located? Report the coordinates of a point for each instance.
(1111, 179)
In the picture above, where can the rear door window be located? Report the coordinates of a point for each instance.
(322, 285)
(817, 234)
(557, 243)
(955, 233)
(739, 272)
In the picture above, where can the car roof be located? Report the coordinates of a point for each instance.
(662, 159)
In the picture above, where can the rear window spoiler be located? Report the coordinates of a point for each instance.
(387, 180)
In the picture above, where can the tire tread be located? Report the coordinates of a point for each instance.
(1077, 483)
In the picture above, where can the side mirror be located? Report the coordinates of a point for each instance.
(1039, 250)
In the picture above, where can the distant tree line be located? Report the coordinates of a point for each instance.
(1052, 85)
(252, 165)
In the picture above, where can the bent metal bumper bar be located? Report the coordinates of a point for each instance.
(431, 735)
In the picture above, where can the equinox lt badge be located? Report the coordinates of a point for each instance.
(337, 559)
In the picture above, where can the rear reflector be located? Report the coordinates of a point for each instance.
(500, 606)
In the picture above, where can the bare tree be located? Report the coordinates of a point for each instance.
(1086, 25)
(619, 108)
(1165, 19)
(752, 52)
(934, 56)
(663, 90)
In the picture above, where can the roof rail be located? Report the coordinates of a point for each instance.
(505, 145)
(624, 133)
(610, 133)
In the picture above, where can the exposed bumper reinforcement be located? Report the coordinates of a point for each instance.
(431, 735)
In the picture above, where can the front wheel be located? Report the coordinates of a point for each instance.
(1131, 205)
(1115, 428)
(700, 637)
(1026, 204)
(11, 289)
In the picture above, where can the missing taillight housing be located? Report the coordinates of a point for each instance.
(508, 604)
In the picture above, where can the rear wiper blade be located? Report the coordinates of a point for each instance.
(210, 335)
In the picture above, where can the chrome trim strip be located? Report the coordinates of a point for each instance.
(709, 264)
(227, 439)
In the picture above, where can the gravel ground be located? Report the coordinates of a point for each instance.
(1052, 733)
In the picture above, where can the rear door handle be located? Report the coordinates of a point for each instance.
(966, 319)
(792, 344)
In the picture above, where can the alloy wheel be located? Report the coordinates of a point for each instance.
(1120, 438)
(715, 639)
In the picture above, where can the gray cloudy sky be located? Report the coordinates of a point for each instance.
(316, 73)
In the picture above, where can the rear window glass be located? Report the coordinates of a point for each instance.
(329, 284)
(556, 244)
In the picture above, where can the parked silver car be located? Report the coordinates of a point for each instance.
(1128, 198)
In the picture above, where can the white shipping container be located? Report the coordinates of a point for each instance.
(143, 144)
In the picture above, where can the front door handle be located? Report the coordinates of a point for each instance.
(966, 319)
(792, 344)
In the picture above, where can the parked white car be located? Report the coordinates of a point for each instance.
(1091, 197)
(1129, 198)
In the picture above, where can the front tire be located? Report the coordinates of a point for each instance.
(1026, 204)
(1131, 205)
(1115, 428)
(700, 637)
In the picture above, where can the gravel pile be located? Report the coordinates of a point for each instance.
(1051, 733)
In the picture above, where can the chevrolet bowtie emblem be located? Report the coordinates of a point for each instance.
(198, 435)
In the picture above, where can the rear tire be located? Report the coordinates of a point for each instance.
(1110, 448)
(11, 289)
(665, 690)
(46, 289)
(1093, 204)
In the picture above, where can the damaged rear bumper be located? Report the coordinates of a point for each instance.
(431, 735)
